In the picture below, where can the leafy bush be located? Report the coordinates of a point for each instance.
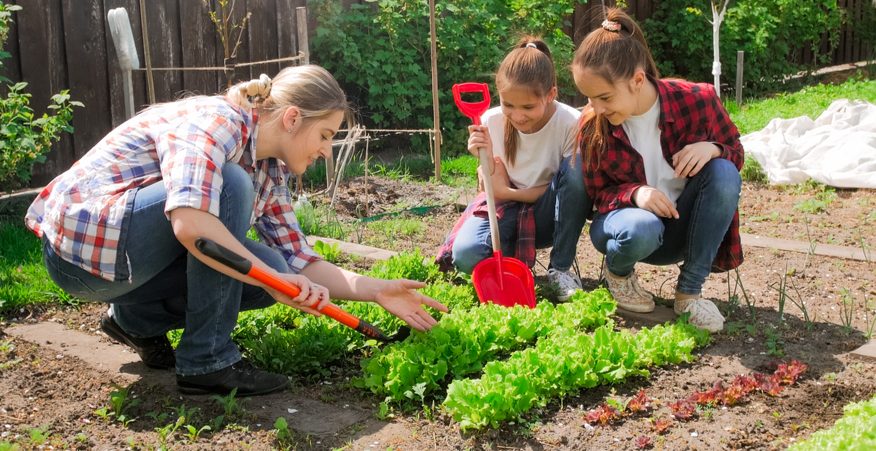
(773, 33)
(25, 138)
(380, 52)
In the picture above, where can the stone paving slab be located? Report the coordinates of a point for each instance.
(303, 414)
(866, 352)
(660, 315)
(826, 250)
(361, 250)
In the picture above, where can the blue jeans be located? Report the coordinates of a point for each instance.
(170, 289)
(705, 209)
(560, 214)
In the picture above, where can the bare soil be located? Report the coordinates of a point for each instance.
(40, 387)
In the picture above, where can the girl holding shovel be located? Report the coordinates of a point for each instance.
(661, 163)
(538, 185)
(120, 226)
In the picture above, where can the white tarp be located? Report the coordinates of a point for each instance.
(837, 149)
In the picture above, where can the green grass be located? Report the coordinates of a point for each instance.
(809, 101)
(23, 277)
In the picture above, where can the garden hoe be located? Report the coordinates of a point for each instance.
(240, 264)
(501, 280)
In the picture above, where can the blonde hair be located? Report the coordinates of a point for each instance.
(309, 87)
(529, 65)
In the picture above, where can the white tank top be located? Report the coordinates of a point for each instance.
(644, 135)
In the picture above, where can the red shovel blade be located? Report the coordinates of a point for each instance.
(504, 281)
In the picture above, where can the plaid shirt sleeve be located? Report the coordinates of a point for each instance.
(192, 156)
(278, 228)
(724, 132)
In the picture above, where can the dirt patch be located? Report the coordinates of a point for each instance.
(40, 387)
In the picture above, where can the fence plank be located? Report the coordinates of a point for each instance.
(86, 43)
(262, 35)
(199, 46)
(287, 37)
(163, 22)
(44, 67)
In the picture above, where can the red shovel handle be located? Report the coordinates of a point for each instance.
(474, 110)
(240, 264)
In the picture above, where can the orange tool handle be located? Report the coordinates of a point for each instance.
(240, 264)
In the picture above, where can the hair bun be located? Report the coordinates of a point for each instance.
(259, 88)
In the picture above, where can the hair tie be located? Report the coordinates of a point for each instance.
(531, 45)
(259, 88)
(610, 25)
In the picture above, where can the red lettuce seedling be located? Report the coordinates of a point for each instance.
(644, 442)
(711, 396)
(738, 389)
(788, 373)
(662, 425)
(683, 409)
(603, 415)
(639, 403)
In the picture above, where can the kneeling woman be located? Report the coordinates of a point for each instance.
(120, 225)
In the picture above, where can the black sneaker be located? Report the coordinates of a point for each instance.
(155, 352)
(247, 379)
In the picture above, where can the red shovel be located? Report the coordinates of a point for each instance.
(501, 280)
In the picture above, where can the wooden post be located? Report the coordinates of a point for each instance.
(147, 56)
(740, 58)
(436, 117)
(301, 30)
(304, 52)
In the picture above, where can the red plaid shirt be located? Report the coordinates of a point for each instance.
(689, 113)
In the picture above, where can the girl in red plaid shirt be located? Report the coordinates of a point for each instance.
(661, 164)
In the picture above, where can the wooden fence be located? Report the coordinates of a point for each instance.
(66, 44)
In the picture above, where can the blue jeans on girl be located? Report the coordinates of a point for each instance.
(560, 214)
(170, 289)
(705, 208)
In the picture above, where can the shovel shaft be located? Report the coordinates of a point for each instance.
(486, 161)
(242, 265)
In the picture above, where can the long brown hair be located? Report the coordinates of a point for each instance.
(529, 65)
(614, 51)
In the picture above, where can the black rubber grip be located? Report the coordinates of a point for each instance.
(223, 255)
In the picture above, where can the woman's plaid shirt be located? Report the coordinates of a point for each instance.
(183, 145)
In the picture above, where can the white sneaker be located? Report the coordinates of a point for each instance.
(566, 282)
(627, 292)
(703, 313)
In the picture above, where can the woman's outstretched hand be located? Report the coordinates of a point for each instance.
(401, 298)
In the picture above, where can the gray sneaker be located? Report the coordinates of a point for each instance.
(627, 292)
(565, 282)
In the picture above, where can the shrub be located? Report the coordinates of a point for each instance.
(380, 52)
(25, 138)
(773, 33)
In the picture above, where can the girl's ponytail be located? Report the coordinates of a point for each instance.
(614, 51)
(530, 65)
